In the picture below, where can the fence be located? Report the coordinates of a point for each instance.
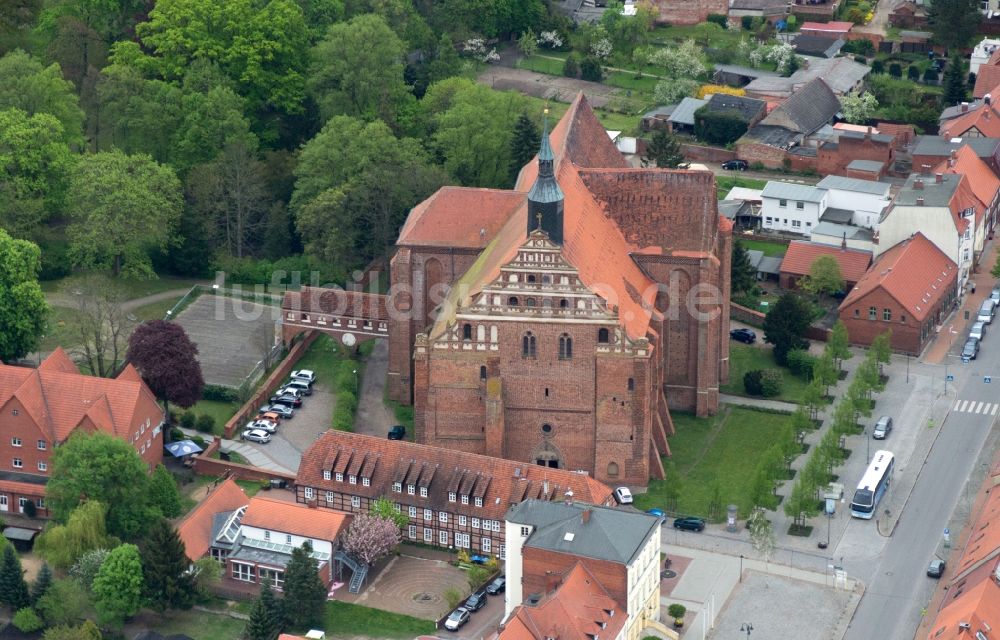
(197, 290)
(261, 367)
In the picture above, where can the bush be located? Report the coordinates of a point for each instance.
(801, 363)
(895, 70)
(346, 379)
(770, 383)
(343, 414)
(864, 47)
(176, 434)
(676, 610)
(718, 127)
(878, 66)
(198, 440)
(453, 597)
(206, 423)
(219, 393)
(590, 69)
(747, 23)
(913, 72)
(248, 271)
(752, 382)
(571, 68)
(861, 59)
(188, 420)
(930, 76)
(27, 620)
(478, 576)
(718, 19)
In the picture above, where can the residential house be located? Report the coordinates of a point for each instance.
(786, 206)
(41, 408)
(817, 46)
(982, 53)
(841, 75)
(621, 548)
(749, 110)
(834, 157)
(828, 29)
(801, 255)
(945, 210)
(681, 118)
(454, 499)
(929, 151)
(253, 538)
(909, 289)
(866, 200)
(770, 10)
(984, 184)
(908, 14)
(988, 76)
(983, 122)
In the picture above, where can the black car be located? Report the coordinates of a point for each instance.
(397, 433)
(935, 569)
(289, 401)
(743, 335)
(971, 349)
(497, 586)
(689, 524)
(735, 165)
(475, 602)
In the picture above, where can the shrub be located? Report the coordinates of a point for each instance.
(752, 382)
(176, 434)
(188, 420)
(930, 76)
(27, 620)
(343, 414)
(219, 393)
(676, 610)
(571, 68)
(770, 383)
(206, 423)
(746, 22)
(861, 59)
(477, 576)
(864, 47)
(913, 72)
(801, 363)
(198, 440)
(895, 70)
(878, 66)
(347, 379)
(718, 127)
(590, 69)
(718, 19)
(453, 597)
(249, 271)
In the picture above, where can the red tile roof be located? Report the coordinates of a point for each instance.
(801, 255)
(501, 483)
(984, 542)
(579, 608)
(827, 27)
(986, 120)
(987, 79)
(459, 217)
(59, 398)
(977, 606)
(981, 179)
(294, 518)
(195, 530)
(915, 273)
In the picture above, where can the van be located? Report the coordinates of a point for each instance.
(986, 312)
(882, 428)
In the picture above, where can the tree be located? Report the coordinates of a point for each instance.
(845, 417)
(27, 620)
(122, 207)
(857, 398)
(163, 493)
(523, 145)
(785, 325)
(955, 87)
(571, 68)
(371, 538)
(167, 582)
(358, 70)
(23, 309)
(265, 616)
(882, 349)
(762, 487)
(824, 277)
(858, 108)
(591, 70)
(953, 22)
(101, 325)
(212, 121)
(26, 85)
(139, 114)
(65, 602)
(912, 73)
(304, 587)
(86, 631)
(42, 584)
(719, 127)
(838, 346)
(895, 70)
(664, 151)
(673, 90)
(385, 508)
(761, 533)
(812, 398)
(118, 585)
(101, 467)
(743, 275)
(167, 360)
(13, 589)
(527, 43)
(826, 372)
(85, 569)
(207, 572)
(683, 61)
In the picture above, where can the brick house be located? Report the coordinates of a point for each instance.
(688, 12)
(454, 499)
(909, 289)
(983, 122)
(41, 408)
(833, 158)
(801, 255)
(907, 14)
(547, 541)
(253, 538)
(984, 184)
(931, 150)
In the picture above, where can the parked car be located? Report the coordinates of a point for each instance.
(655, 512)
(301, 384)
(271, 426)
(735, 165)
(971, 349)
(256, 435)
(457, 618)
(280, 410)
(986, 311)
(995, 295)
(882, 428)
(475, 602)
(273, 416)
(977, 331)
(746, 336)
(287, 400)
(304, 374)
(497, 586)
(936, 568)
(290, 391)
(689, 524)
(397, 433)
(623, 495)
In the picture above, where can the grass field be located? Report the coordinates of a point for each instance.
(221, 411)
(769, 248)
(155, 310)
(60, 330)
(723, 184)
(374, 623)
(720, 451)
(201, 625)
(743, 358)
(136, 288)
(542, 65)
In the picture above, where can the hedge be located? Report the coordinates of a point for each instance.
(219, 393)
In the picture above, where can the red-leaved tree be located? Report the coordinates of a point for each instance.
(371, 537)
(167, 361)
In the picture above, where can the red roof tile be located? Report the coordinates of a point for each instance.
(459, 217)
(801, 255)
(195, 530)
(977, 605)
(987, 80)
(981, 179)
(986, 120)
(827, 27)
(294, 518)
(915, 273)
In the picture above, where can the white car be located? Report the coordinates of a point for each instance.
(623, 495)
(264, 425)
(977, 330)
(457, 618)
(304, 374)
(256, 435)
(289, 390)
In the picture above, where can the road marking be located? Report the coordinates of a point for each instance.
(973, 406)
(995, 407)
(960, 405)
(978, 408)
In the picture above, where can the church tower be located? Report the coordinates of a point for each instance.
(545, 200)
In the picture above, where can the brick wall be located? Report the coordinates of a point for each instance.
(770, 157)
(206, 465)
(687, 12)
(745, 315)
(908, 336)
(543, 571)
(833, 159)
(699, 153)
(801, 163)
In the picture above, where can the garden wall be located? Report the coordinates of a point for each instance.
(698, 153)
(206, 465)
(756, 319)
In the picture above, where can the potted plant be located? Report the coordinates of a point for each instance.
(677, 611)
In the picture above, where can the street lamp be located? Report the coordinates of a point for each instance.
(868, 446)
(741, 567)
(746, 626)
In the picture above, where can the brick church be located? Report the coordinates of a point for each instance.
(559, 322)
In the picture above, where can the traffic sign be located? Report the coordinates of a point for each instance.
(949, 378)
(987, 379)
(946, 531)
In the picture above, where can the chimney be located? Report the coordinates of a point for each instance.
(938, 178)
(925, 169)
(843, 242)
(918, 184)
(585, 518)
(920, 202)
(965, 107)
(868, 133)
(988, 99)
(954, 154)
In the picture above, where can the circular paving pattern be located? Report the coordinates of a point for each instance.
(416, 587)
(666, 574)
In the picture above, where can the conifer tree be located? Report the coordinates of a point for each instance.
(13, 588)
(265, 621)
(664, 151)
(42, 583)
(167, 583)
(304, 587)
(524, 145)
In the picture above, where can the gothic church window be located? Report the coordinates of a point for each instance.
(528, 345)
(565, 347)
(602, 336)
(466, 331)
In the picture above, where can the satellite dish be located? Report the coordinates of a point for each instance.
(349, 340)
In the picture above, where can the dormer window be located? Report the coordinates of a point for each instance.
(352, 479)
(423, 492)
(411, 490)
(326, 474)
(465, 499)
(340, 477)
(366, 482)
(397, 487)
(451, 496)
(479, 501)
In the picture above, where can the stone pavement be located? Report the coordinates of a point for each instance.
(253, 453)
(758, 403)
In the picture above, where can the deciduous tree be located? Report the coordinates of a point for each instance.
(761, 533)
(371, 538)
(23, 309)
(786, 324)
(26, 85)
(858, 108)
(163, 493)
(167, 360)
(66, 602)
(385, 508)
(882, 349)
(838, 346)
(85, 569)
(65, 544)
(101, 325)
(167, 582)
(86, 631)
(824, 277)
(304, 588)
(118, 585)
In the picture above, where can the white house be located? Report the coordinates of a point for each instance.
(987, 46)
(865, 199)
(786, 206)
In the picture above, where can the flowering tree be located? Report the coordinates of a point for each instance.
(858, 108)
(674, 90)
(476, 47)
(550, 39)
(528, 43)
(370, 537)
(781, 55)
(601, 48)
(683, 61)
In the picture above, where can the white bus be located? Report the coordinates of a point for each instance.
(872, 486)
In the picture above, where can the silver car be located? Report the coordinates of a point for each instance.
(264, 425)
(256, 435)
(977, 331)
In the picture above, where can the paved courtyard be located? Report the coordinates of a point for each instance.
(231, 336)
(411, 586)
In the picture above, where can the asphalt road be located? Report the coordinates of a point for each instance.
(897, 586)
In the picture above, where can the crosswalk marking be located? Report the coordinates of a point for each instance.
(974, 406)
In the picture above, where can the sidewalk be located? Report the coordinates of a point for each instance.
(758, 403)
(253, 455)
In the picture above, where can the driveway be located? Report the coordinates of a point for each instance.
(373, 417)
(542, 85)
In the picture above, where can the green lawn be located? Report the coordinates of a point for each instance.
(542, 65)
(137, 288)
(743, 358)
(769, 248)
(724, 183)
(221, 411)
(154, 310)
(728, 38)
(373, 623)
(644, 85)
(201, 625)
(60, 329)
(322, 358)
(720, 450)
